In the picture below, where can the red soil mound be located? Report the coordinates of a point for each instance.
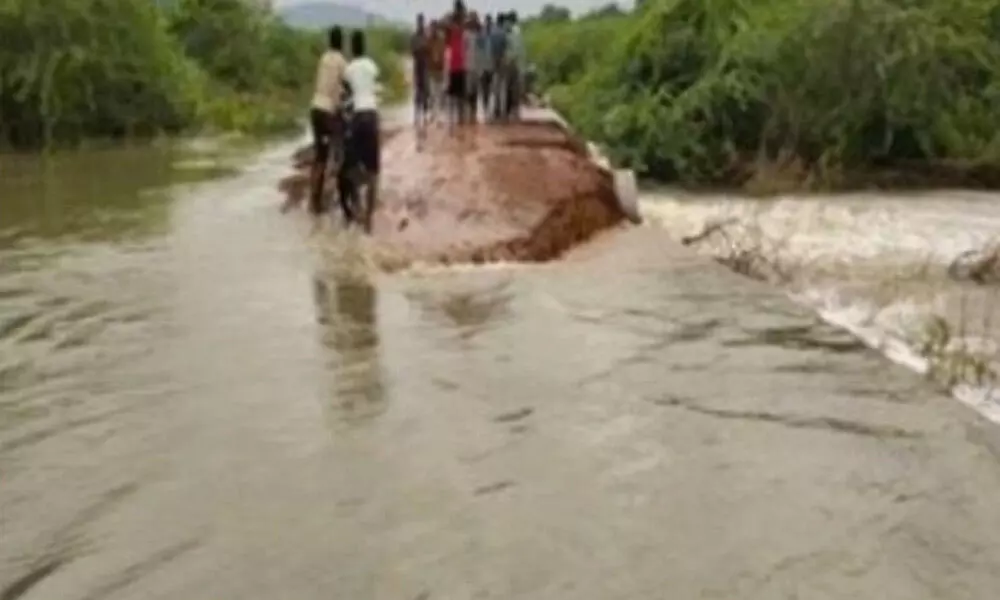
(519, 192)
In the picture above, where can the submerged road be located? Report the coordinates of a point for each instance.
(199, 403)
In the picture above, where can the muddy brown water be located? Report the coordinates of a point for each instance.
(196, 401)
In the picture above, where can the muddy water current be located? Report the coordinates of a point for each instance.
(197, 400)
(875, 264)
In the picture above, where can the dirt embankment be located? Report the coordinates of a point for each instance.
(521, 192)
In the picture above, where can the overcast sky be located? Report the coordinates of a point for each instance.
(407, 9)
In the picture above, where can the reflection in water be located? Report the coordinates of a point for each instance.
(346, 309)
(469, 311)
(116, 193)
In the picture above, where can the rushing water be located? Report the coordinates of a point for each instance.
(197, 401)
(875, 264)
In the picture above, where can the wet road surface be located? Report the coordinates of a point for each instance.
(199, 402)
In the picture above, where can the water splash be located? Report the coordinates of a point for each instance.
(875, 265)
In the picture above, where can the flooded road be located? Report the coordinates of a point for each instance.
(196, 401)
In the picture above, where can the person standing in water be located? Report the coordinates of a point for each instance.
(363, 151)
(325, 118)
(420, 54)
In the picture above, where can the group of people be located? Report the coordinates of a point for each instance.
(462, 65)
(344, 119)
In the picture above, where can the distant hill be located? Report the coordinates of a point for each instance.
(320, 15)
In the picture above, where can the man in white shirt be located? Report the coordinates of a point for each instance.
(362, 149)
(517, 66)
(325, 118)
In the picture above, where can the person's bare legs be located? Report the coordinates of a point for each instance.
(499, 94)
(316, 183)
(456, 101)
(450, 114)
(472, 98)
(418, 111)
(371, 199)
(515, 90)
(441, 102)
(421, 112)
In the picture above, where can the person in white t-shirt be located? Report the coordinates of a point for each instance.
(362, 148)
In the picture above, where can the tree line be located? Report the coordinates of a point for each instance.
(553, 13)
(714, 91)
(71, 70)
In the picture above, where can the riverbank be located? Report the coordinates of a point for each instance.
(781, 96)
(141, 69)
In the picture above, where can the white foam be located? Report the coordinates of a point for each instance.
(842, 230)
(838, 228)
(863, 321)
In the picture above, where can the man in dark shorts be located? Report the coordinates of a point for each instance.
(420, 53)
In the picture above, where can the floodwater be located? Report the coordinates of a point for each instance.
(875, 264)
(198, 401)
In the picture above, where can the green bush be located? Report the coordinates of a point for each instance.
(76, 69)
(702, 90)
(387, 46)
(243, 46)
(564, 50)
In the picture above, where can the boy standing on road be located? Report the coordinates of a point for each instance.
(484, 52)
(517, 62)
(436, 67)
(420, 53)
(473, 67)
(457, 66)
(498, 50)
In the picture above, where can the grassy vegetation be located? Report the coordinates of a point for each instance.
(72, 70)
(720, 91)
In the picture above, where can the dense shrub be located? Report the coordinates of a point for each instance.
(388, 44)
(703, 90)
(73, 69)
(564, 50)
(76, 68)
